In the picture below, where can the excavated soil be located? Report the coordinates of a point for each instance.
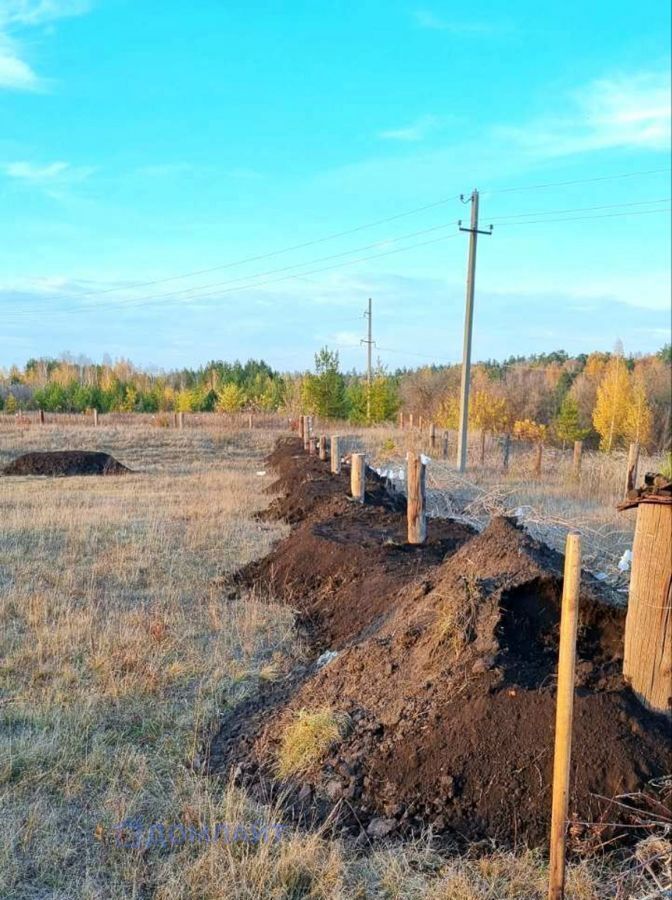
(445, 666)
(65, 462)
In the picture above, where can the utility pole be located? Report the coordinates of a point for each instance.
(369, 344)
(468, 327)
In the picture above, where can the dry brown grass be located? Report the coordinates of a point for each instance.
(119, 649)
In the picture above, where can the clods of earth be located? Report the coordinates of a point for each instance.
(65, 462)
(438, 665)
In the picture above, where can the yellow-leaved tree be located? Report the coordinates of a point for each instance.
(230, 398)
(612, 404)
(528, 430)
(639, 419)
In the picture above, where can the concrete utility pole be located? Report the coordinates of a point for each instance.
(463, 428)
(369, 344)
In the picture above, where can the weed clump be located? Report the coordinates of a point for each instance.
(308, 739)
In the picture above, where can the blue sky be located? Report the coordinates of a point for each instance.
(142, 140)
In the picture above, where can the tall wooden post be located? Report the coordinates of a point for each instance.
(432, 435)
(306, 434)
(420, 423)
(357, 476)
(312, 445)
(576, 460)
(506, 452)
(174, 420)
(410, 420)
(95, 417)
(569, 618)
(249, 421)
(415, 504)
(401, 420)
(482, 446)
(444, 452)
(647, 659)
(41, 417)
(538, 452)
(323, 447)
(631, 472)
(335, 454)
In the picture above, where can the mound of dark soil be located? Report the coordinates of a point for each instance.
(65, 462)
(446, 668)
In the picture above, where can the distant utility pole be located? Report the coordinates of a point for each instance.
(369, 344)
(468, 326)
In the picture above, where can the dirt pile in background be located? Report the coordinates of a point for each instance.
(446, 672)
(65, 462)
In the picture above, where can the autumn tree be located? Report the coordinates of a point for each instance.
(612, 404)
(230, 398)
(638, 418)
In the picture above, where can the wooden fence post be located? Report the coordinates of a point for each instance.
(95, 417)
(180, 419)
(432, 435)
(41, 417)
(357, 476)
(631, 472)
(410, 421)
(420, 420)
(335, 454)
(482, 446)
(401, 420)
(647, 658)
(323, 447)
(569, 618)
(576, 460)
(445, 445)
(539, 449)
(306, 434)
(506, 452)
(249, 421)
(415, 501)
(312, 445)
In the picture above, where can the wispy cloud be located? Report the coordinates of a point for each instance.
(16, 73)
(55, 179)
(626, 111)
(425, 18)
(415, 131)
(27, 171)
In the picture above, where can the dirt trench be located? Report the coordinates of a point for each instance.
(62, 463)
(445, 668)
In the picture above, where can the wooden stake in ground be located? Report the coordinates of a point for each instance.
(249, 421)
(401, 420)
(357, 476)
(538, 453)
(506, 452)
(415, 480)
(432, 435)
(306, 434)
(335, 454)
(312, 445)
(444, 452)
(482, 446)
(302, 421)
(647, 660)
(95, 417)
(180, 420)
(576, 461)
(410, 420)
(631, 472)
(323, 447)
(41, 417)
(563, 716)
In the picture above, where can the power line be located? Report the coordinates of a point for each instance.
(544, 212)
(247, 287)
(641, 212)
(358, 228)
(550, 184)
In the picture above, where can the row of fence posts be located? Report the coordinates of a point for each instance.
(577, 456)
(178, 419)
(647, 662)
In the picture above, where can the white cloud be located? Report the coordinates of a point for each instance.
(37, 12)
(27, 171)
(15, 72)
(415, 131)
(622, 111)
(425, 18)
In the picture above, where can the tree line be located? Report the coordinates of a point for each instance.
(602, 398)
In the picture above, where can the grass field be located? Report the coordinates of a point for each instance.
(119, 647)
